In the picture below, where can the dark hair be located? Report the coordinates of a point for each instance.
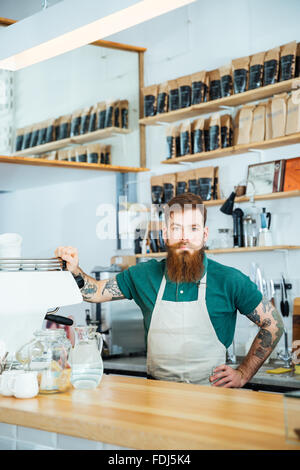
(190, 199)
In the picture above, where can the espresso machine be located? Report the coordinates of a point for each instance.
(120, 322)
(32, 290)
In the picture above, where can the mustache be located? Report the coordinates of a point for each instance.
(177, 245)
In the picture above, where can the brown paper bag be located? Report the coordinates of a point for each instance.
(85, 120)
(150, 100)
(169, 186)
(75, 123)
(181, 182)
(226, 131)
(215, 132)
(19, 139)
(72, 154)
(27, 137)
(199, 87)
(63, 127)
(293, 114)
(185, 139)
(297, 71)
(226, 80)
(171, 133)
(206, 135)
(124, 107)
(63, 154)
(271, 66)
(92, 153)
(93, 119)
(110, 115)
(101, 115)
(80, 153)
(240, 68)
(256, 70)
(173, 91)
(288, 54)
(258, 123)
(268, 122)
(205, 179)
(278, 109)
(214, 84)
(185, 91)
(243, 124)
(162, 98)
(197, 135)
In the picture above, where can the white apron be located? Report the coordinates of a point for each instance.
(182, 344)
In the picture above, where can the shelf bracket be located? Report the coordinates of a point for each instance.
(229, 108)
(260, 152)
(186, 163)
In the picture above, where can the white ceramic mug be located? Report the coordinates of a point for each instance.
(25, 385)
(6, 381)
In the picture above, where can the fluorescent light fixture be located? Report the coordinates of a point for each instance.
(71, 24)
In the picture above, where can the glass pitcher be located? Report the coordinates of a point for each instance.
(86, 359)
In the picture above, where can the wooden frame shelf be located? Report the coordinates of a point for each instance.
(79, 139)
(230, 250)
(237, 149)
(259, 197)
(218, 105)
(67, 164)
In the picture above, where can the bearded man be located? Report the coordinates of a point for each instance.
(189, 304)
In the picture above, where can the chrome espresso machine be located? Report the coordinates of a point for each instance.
(119, 321)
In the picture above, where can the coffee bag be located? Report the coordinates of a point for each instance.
(93, 119)
(214, 84)
(162, 98)
(288, 54)
(19, 139)
(63, 127)
(85, 120)
(185, 139)
(34, 135)
(258, 123)
(205, 181)
(75, 123)
(206, 135)
(243, 124)
(185, 91)
(293, 114)
(256, 70)
(199, 87)
(226, 80)
(297, 71)
(101, 115)
(173, 92)
(124, 107)
(278, 109)
(271, 66)
(181, 183)
(197, 135)
(64, 155)
(92, 153)
(109, 115)
(42, 133)
(240, 69)
(150, 100)
(171, 135)
(226, 131)
(27, 137)
(268, 122)
(214, 131)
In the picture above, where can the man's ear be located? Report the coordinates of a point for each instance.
(165, 233)
(205, 235)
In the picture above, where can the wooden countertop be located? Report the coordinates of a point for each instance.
(147, 414)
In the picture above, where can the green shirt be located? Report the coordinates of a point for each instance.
(227, 290)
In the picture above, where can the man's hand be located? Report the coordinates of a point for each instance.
(227, 377)
(70, 255)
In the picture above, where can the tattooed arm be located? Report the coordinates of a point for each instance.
(271, 328)
(92, 291)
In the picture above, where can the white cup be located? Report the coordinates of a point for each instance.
(25, 385)
(6, 381)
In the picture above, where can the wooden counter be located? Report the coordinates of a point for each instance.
(138, 413)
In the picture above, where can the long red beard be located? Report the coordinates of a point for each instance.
(184, 266)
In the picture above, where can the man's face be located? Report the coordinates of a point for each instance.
(186, 228)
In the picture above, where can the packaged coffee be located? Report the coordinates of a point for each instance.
(192, 182)
(271, 66)
(173, 95)
(256, 70)
(206, 135)
(216, 194)
(205, 181)
(101, 114)
(240, 69)
(51, 155)
(105, 154)
(170, 139)
(75, 123)
(268, 122)
(226, 80)
(85, 120)
(169, 186)
(27, 137)
(293, 114)
(288, 54)
(157, 192)
(214, 84)
(50, 135)
(185, 138)
(81, 153)
(162, 98)
(63, 127)
(297, 71)
(71, 154)
(92, 153)
(34, 135)
(258, 123)
(64, 154)
(278, 110)
(109, 116)
(214, 131)
(197, 135)
(181, 183)
(124, 107)
(199, 87)
(42, 133)
(117, 114)
(226, 131)
(150, 100)
(93, 119)
(19, 139)
(243, 124)
(185, 91)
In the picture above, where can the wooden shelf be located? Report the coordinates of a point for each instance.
(260, 197)
(237, 149)
(218, 105)
(229, 250)
(80, 139)
(67, 164)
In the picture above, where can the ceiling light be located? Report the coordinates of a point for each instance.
(71, 24)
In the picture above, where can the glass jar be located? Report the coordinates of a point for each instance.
(224, 238)
(48, 354)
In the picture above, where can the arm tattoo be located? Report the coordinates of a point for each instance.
(89, 289)
(112, 288)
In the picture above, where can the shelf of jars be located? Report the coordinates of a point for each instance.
(222, 103)
(229, 250)
(237, 149)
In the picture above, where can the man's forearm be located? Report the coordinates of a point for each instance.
(99, 291)
(271, 328)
